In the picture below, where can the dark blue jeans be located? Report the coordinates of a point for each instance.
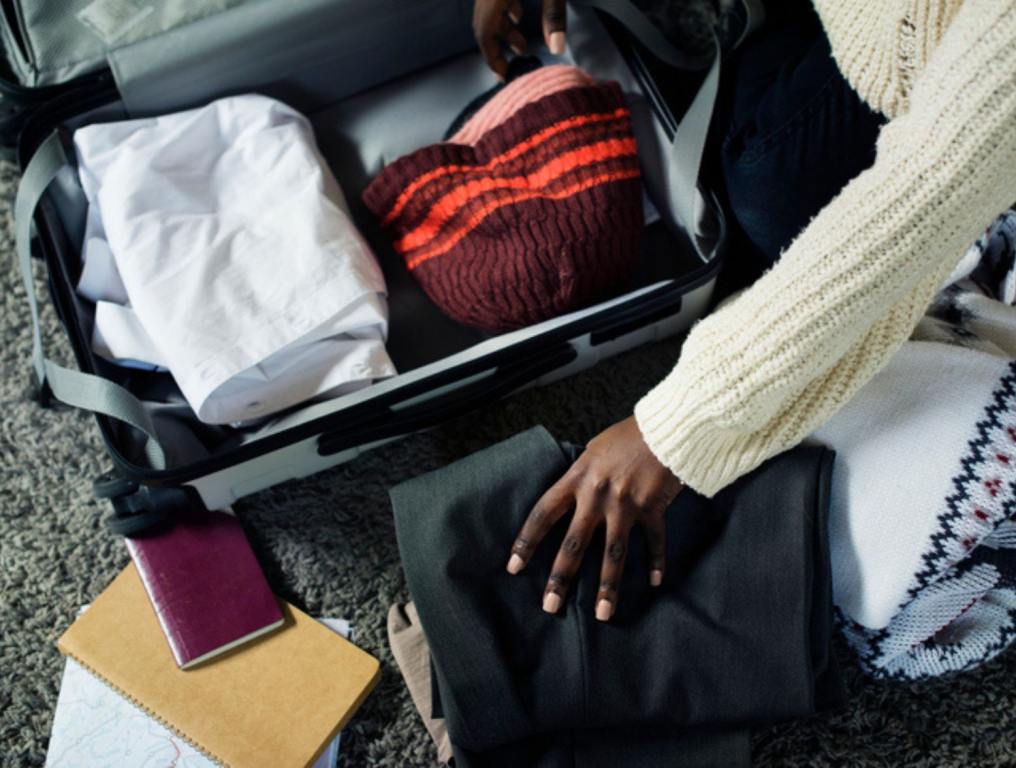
(789, 134)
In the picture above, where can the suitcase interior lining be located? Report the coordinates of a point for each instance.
(357, 136)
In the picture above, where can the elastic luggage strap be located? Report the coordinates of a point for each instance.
(689, 142)
(75, 388)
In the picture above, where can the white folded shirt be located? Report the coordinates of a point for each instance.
(218, 245)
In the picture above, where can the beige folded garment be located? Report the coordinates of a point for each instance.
(409, 647)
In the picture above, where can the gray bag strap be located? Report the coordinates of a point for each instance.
(689, 142)
(689, 146)
(81, 390)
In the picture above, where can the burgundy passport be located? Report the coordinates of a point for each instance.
(206, 586)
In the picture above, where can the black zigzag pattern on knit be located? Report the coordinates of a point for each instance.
(948, 653)
(871, 647)
(870, 644)
(1002, 403)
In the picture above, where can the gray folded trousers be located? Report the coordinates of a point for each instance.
(738, 634)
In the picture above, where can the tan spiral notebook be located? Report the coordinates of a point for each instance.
(276, 702)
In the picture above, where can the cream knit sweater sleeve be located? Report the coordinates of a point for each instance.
(882, 45)
(762, 372)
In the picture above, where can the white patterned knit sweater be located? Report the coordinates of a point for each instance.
(762, 372)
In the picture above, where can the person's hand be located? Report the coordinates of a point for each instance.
(495, 24)
(617, 481)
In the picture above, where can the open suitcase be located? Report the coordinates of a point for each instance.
(377, 78)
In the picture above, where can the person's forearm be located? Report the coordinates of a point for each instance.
(764, 371)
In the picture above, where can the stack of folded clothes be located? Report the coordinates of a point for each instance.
(218, 245)
(923, 518)
(737, 634)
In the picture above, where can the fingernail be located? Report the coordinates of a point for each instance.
(557, 43)
(656, 577)
(551, 602)
(604, 610)
(515, 564)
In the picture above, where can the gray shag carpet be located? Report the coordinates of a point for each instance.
(327, 544)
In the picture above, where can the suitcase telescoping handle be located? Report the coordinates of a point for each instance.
(75, 388)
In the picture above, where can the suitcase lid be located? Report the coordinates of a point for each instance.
(326, 50)
(51, 42)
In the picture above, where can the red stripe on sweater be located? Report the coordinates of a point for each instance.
(459, 196)
(420, 204)
(504, 157)
(507, 216)
(453, 238)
